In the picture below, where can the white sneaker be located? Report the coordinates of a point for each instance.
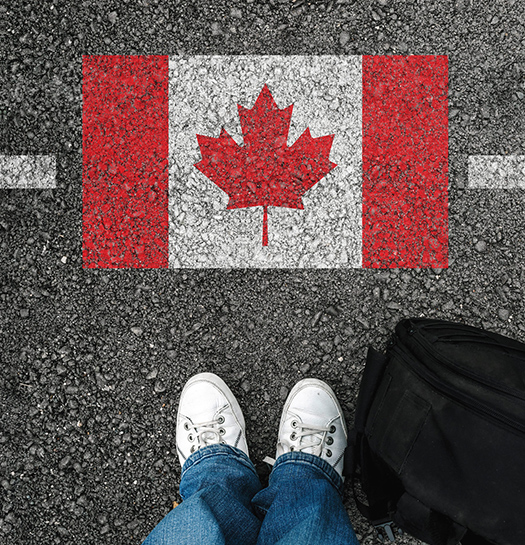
(208, 414)
(313, 422)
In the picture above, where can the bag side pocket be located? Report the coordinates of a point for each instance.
(403, 429)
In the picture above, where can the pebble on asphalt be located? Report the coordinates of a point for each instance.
(64, 462)
(159, 387)
(481, 246)
(504, 314)
(344, 37)
(152, 374)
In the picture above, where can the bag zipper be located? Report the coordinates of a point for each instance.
(426, 345)
(469, 330)
(456, 395)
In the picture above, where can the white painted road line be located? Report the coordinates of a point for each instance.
(496, 171)
(27, 171)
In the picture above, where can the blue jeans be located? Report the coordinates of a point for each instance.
(224, 503)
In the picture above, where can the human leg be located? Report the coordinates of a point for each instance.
(303, 502)
(218, 479)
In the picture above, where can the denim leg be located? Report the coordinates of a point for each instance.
(217, 485)
(303, 504)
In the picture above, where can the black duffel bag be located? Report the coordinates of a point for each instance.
(438, 447)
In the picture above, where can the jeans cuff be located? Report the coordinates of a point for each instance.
(204, 453)
(302, 461)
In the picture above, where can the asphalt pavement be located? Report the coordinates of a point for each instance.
(93, 361)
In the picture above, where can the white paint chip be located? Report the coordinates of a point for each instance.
(27, 171)
(496, 172)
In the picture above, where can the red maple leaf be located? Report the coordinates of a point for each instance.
(265, 171)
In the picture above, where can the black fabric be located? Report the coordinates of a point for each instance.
(472, 539)
(374, 369)
(379, 483)
(439, 437)
(425, 523)
(375, 366)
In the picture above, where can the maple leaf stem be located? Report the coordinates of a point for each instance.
(265, 226)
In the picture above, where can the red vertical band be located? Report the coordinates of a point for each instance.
(405, 161)
(125, 161)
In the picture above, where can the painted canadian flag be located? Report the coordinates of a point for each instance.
(265, 161)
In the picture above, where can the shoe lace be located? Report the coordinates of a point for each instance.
(313, 432)
(207, 433)
(306, 430)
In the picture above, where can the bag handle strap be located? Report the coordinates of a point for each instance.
(374, 369)
(376, 511)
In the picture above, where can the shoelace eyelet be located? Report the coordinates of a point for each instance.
(294, 423)
(191, 438)
(222, 431)
(329, 453)
(293, 436)
(332, 429)
(292, 449)
(221, 419)
(186, 426)
(192, 450)
(329, 440)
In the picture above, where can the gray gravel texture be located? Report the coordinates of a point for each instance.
(93, 361)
